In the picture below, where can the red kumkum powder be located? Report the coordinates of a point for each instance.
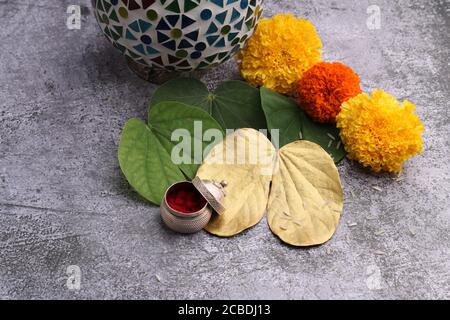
(184, 198)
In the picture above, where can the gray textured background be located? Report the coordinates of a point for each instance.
(64, 96)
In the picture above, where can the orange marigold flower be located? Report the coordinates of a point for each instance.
(324, 87)
(379, 132)
(279, 52)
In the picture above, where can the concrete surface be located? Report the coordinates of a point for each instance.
(64, 96)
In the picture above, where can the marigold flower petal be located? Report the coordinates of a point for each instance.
(279, 52)
(323, 89)
(380, 132)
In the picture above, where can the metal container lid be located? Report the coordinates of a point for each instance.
(212, 191)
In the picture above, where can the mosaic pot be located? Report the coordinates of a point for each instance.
(178, 35)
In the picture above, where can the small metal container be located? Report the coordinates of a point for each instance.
(213, 194)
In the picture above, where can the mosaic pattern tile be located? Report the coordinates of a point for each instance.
(178, 35)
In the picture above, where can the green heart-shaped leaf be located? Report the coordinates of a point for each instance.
(234, 104)
(166, 117)
(282, 113)
(145, 163)
(145, 150)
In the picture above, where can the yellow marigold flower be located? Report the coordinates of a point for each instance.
(379, 132)
(280, 51)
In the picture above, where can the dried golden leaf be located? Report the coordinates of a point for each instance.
(306, 198)
(245, 160)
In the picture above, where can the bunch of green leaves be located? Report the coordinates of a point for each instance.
(236, 104)
(145, 147)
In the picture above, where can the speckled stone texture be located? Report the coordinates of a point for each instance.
(64, 97)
